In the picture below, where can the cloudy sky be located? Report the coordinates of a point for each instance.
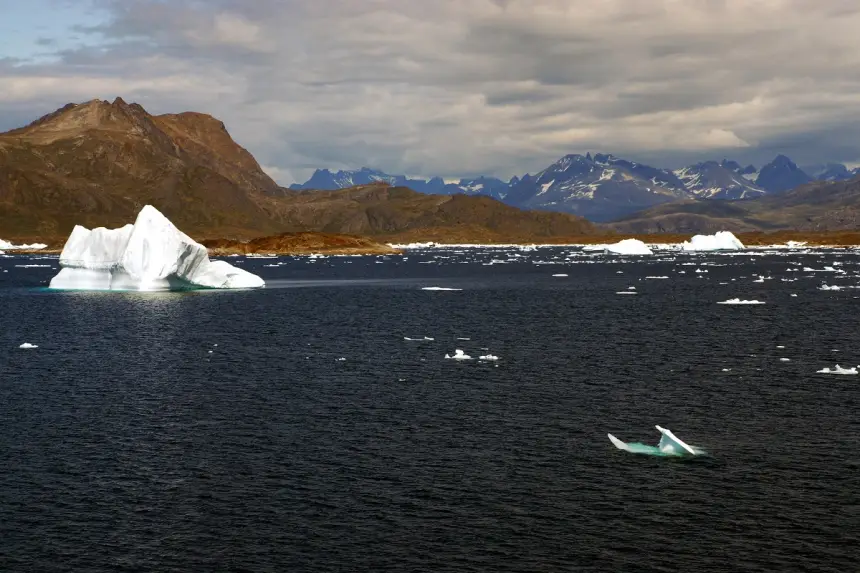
(457, 87)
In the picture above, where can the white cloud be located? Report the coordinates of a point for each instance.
(463, 87)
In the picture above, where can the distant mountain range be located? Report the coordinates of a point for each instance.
(603, 187)
(323, 179)
(813, 207)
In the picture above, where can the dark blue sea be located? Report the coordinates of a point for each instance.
(294, 428)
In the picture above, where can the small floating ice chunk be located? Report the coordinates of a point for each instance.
(827, 287)
(440, 288)
(785, 359)
(28, 345)
(560, 275)
(458, 355)
(739, 301)
(838, 370)
(670, 445)
(418, 339)
(656, 277)
(488, 357)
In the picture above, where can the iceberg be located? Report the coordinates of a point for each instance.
(669, 445)
(150, 255)
(721, 241)
(458, 355)
(625, 247)
(10, 247)
(838, 370)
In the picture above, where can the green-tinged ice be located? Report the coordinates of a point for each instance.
(669, 445)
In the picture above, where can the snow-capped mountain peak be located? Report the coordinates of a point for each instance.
(723, 180)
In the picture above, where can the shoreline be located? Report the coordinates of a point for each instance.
(303, 244)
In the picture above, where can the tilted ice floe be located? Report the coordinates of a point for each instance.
(458, 355)
(720, 241)
(625, 247)
(669, 445)
(739, 301)
(838, 370)
(151, 255)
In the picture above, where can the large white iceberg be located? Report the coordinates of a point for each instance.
(625, 247)
(720, 241)
(151, 255)
(670, 445)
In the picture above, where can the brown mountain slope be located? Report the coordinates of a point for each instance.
(98, 163)
(389, 212)
(815, 207)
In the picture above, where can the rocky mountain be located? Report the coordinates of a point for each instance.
(603, 187)
(831, 172)
(97, 163)
(817, 206)
(780, 175)
(402, 214)
(720, 180)
(598, 188)
(323, 179)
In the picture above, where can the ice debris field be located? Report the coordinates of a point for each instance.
(152, 254)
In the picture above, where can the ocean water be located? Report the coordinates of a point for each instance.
(295, 429)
